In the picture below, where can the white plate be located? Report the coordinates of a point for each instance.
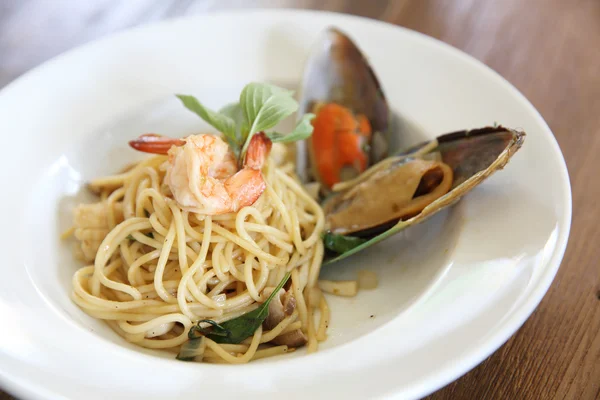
(452, 290)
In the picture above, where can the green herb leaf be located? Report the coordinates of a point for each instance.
(265, 106)
(245, 325)
(235, 112)
(237, 115)
(340, 243)
(238, 329)
(255, 95)
(216, 330)
(400, 225)
(261, 107)
(302, 131)
(274, 110)
(192, 350)
(222, 123)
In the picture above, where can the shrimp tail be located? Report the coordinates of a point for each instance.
(245, 187)
(258, 151)
(154, 143)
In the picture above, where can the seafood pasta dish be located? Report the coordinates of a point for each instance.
(211, 247)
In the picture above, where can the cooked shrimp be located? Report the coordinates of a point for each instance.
(202, 171)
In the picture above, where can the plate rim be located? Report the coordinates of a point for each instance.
(13, 384)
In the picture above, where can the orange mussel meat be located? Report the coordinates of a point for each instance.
(339, 143)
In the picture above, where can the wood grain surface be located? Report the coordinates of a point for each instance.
(549, 49)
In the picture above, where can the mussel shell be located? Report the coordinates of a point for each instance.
(473, 155)
(337, 72)
(472, 151)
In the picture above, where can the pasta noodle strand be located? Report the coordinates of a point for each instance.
(154, 270)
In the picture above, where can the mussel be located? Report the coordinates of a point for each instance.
(372, 194)
(407, 188)
(352, 115)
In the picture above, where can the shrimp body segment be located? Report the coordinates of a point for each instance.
(203, 175)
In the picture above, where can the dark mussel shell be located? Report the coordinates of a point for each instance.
(472, 155)
(338, 72)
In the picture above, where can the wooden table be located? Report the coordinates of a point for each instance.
(549, 49)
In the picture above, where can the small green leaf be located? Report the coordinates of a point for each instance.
(245, 325)
(274, 110)
(302, 131)
(235, 112)
(264, 106)
(261, 106)
(255, 95)
(216, 330)
(238, 329)
(222, 123)
(400, 225)
(340, 243)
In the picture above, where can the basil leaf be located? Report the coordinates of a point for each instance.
(235, 112)
(255, 95)
(244, 326)
(340, 243)
(233, 331)
(265, 106)
(261, 106)
(274, 110)
(216, 330)
(400, 226)
(222, 123)
(302, 131)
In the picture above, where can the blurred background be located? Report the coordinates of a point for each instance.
(548, 49)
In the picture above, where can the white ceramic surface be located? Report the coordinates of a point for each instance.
(452, 290)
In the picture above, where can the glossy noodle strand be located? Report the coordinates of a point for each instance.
(154, 269)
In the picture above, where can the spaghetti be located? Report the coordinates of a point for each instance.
(154, 269)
